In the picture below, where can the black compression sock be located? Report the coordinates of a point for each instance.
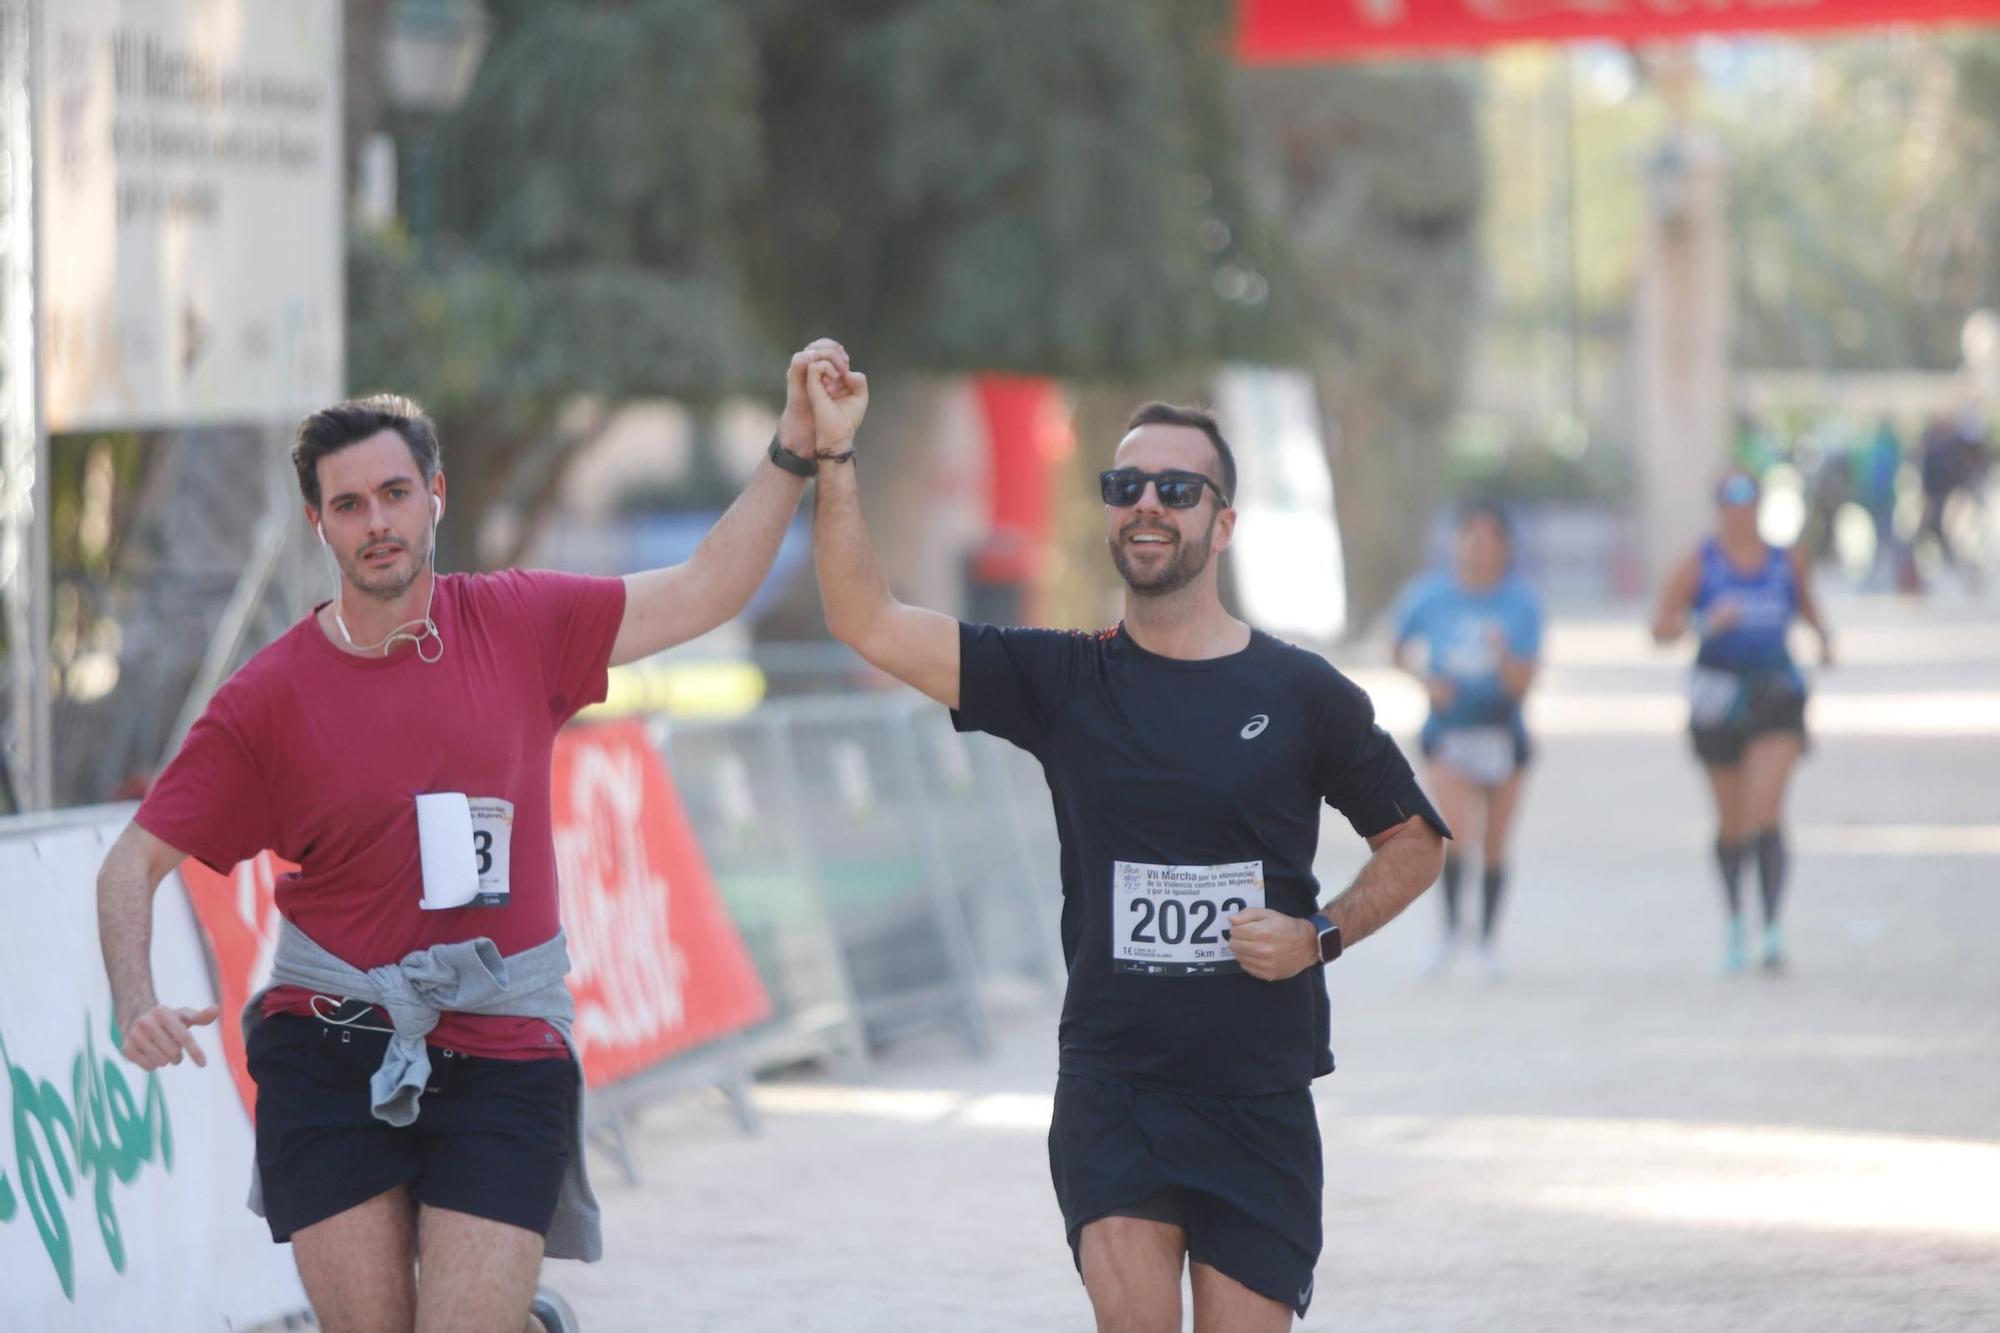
(1492, 883)
(1772, 864)
(1453, 869)
(1729, 858)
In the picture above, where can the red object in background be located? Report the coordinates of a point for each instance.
(239, 915)
(655, 962)
(1294, 31)
(1027, 432)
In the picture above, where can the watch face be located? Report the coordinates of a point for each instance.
(1329, 944)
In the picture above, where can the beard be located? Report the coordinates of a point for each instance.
(386, 584)
(1187, 558)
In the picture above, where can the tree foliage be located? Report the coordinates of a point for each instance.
(660, 197)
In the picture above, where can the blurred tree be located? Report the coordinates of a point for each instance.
(595, 180)
(658, 197)
(1376, 176)
(1036, 186)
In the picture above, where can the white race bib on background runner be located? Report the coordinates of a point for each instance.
(1168, 920)
(1483, 755)
(1712, 695)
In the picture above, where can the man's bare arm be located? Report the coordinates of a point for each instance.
(1272, 945)
(154, 1034)
(1407, 860)
(916, 645)
(664, 607)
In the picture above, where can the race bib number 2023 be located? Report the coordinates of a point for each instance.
(1169, 920)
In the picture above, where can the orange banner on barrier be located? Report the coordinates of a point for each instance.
(656, 964)
(1293, 31)
(239, 915)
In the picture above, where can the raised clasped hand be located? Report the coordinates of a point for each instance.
(839, 396)
(796, 427)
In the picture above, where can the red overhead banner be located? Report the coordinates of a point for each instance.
(1294, 31)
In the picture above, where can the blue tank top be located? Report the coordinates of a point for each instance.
(1767, 598)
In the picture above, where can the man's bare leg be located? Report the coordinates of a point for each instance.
(474, 1275)
(1132, 1270)
(1224, 1305)
(359, 1267)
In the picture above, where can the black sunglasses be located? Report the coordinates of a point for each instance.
(1122, 487)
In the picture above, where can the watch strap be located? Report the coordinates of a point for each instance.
(1329, 936)
(791, 462)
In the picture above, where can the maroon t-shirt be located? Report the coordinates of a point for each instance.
(319, 756)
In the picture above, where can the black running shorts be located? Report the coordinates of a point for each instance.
(492, 1138)
(1240, 1175)
(1768, 703)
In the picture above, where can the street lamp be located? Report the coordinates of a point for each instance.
(431, 51)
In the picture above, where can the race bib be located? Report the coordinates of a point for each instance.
(1483, 755)
(1169, 920)
(1712, 695)
(465, 843)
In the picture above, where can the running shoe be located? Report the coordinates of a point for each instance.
(1490, 970)
(1774, 949)
(554, 1312)
(1733, 952)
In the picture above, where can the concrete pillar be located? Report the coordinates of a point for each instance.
(1681, 333)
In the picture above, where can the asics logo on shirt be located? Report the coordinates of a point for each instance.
(1254, 727)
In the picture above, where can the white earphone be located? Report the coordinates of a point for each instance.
(429, 626)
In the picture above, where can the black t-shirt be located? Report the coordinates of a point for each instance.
(1181, 789)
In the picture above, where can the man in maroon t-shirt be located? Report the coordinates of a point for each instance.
(404, 721)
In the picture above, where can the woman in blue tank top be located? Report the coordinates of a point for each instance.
(1481, 627)
(1746, 696)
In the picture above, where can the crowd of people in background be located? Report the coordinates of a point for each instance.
(1921, 485)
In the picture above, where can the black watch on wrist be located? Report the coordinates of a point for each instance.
(791, 462)
(1329, 937)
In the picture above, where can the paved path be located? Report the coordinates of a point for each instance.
(1615, 1136)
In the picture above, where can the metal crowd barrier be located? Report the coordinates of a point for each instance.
(741, 794)
(879, 865)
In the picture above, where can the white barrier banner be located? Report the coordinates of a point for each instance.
(121, 1192)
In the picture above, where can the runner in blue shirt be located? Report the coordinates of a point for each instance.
(1747, 697)
(1481, 629)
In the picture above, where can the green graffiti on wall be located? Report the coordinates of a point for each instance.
(99, 1134)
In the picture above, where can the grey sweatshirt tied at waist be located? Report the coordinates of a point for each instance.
(469, 977)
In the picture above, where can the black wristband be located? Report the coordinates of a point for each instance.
(791, 462)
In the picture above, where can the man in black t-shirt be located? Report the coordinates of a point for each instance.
(1187, 756)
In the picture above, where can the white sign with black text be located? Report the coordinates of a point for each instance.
(190, 211)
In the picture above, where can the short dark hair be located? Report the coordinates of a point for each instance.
(332, 429)
(1166, 414)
